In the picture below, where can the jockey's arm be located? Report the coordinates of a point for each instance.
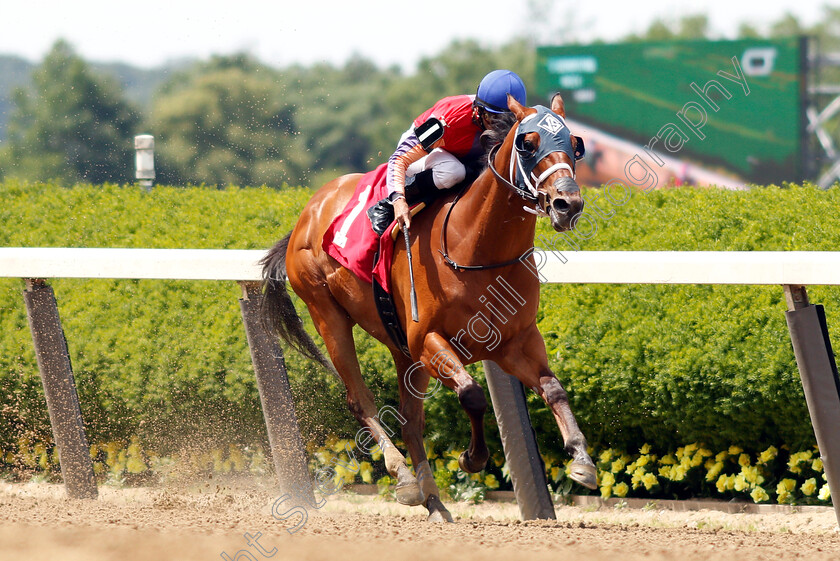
(408, 151)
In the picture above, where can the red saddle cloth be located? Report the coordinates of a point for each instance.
(350, 239)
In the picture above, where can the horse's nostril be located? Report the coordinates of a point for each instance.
(560, 205)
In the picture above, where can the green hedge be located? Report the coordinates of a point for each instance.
(168, 361)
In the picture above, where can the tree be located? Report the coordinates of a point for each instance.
(227, 122)
(71, 125)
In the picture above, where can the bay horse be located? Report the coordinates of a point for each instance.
(488, 231)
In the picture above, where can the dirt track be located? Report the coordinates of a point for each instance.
(38, 523)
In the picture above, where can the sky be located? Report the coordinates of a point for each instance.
(149, 33)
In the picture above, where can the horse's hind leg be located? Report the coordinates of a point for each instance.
(336, 328)
(412, 396)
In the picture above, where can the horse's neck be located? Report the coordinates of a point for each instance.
(498, 227)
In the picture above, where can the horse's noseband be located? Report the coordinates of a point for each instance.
(563, 185)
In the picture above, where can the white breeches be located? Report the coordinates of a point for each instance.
(447, 172)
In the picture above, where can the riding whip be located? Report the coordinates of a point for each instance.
(414, 314)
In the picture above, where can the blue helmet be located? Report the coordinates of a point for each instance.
(494, 88)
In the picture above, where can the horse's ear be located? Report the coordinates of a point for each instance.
(557, 105)
(517, 108)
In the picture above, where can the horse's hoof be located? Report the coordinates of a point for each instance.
(409, 493)
(437, 512)
(466, 464)
(584, 474)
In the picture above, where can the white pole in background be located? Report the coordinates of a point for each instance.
(144, 145)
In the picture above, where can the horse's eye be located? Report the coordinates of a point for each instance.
(529, 146)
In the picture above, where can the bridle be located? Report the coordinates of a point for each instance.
(527, 188)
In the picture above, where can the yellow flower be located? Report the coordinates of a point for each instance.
(645, 449)
(744, 460)
(376, 453)
(636, 479)
(606, 491)
(643, 460)
(617, 465)
(721, 456)
(752, 475)
(723, 484)
(759, 495)
(621, 489)
(366, 471)
(798, 458)
(339, 445)
(490, 481)
(323, 456)
(452, 465)
(135, 465)
(606, 455)
(236, 458)
(784, 489)
(607, 479)
(768, 455)
(714, 471)
(825, 493)
(809, 487)
(455, 454)
(665, 471)
(786, 484)
(740, 483)
(650, 481)
(817, 465)
(696, 460)
(555, 473)
(668, 460)
(678, 473)
(735, 450)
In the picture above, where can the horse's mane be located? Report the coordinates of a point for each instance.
(500, 126)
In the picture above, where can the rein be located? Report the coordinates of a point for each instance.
(443, 251)
(533, 199)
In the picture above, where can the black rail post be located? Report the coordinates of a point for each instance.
(527, 470)
(60, 390)
(284, 439)
(818, 371)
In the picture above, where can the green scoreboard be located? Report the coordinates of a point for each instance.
(736, 106)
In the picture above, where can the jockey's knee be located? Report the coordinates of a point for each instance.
(449, 173)
(448, 170)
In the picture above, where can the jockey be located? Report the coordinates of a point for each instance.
(432, 152)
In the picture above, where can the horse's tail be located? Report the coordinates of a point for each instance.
(278, 311)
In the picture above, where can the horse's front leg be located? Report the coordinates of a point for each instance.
(527, 360)
(439, 357)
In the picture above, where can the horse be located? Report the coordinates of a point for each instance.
(487, 233)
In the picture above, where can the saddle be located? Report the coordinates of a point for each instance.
(419, 192)
(365, 244)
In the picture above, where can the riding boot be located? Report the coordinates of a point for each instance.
(418, 186)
